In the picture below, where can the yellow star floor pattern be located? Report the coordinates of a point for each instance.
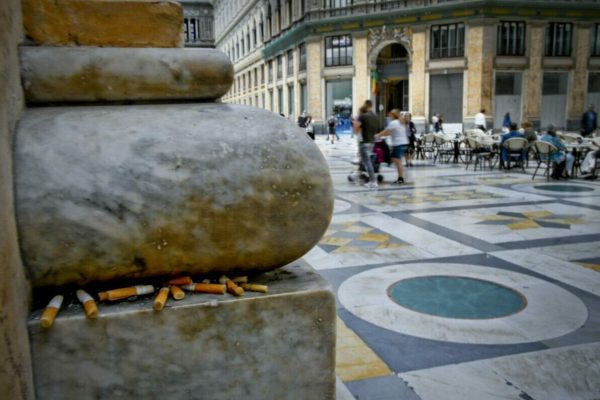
(532, 220)
(395, 199)
(357, 237)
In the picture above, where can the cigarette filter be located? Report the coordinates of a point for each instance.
(182, 280)
(213, 288)
(252, 287)
(161, 299)
(89, 305)
(50, 312)
(177, 293)
(123, 293)
(234, 289)
(102, 296)
(240, 279)
(223, 279)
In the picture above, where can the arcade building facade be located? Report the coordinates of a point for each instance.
(537, 60)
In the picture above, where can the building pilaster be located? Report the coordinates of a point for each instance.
(534, 76)
(361, 84)
(576, 103)
(480, 70)
(314, 65)
(417, 76)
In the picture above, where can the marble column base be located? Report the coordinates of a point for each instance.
(279, 345)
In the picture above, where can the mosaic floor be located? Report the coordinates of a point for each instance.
(462, 284)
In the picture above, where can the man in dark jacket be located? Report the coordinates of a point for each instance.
(367, 125)
(589, 121)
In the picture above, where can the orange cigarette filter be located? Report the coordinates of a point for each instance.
(213, 288)
(123, 293)
(234, 289)
(161, 299)
(182, 280)
(51, 311)
(252, 287)
(89, 305)
(102, 296)
(177, 293)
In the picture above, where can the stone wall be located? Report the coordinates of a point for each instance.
(15, 366)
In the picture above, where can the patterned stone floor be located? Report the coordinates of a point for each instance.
(540, 239)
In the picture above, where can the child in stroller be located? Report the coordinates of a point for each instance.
(381, 154)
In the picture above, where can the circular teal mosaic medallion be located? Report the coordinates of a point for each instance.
(564, 188)
(456, 297)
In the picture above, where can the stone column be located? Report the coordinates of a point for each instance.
(417, 76)
(534, 75)
(314, 65)
(361, 84)
(480, 55)
(15, 363)
(576, 102)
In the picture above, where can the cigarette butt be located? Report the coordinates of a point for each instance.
(50, 312)
(233, 288)
(223, 279)
(190, 288)
(213, 288)
(123, 293)
(182, 280)
(252, 287)
(161, 299)
(89, 305)
(177, 293)
(240, 279)
(102, 296)
(205, 280)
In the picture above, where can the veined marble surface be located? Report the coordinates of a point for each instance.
(564, 373)
(54, 74)
(275, 346)
(539, 261)
(132, 191)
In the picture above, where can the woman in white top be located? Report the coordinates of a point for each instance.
(398, 130)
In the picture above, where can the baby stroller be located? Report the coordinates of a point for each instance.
(381, 154)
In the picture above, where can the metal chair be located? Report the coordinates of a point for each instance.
(515, 149)
(443, 148)
(479, 152)
(544, 152)
(428, 145)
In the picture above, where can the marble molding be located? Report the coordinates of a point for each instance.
(115, 192)
(91, 74)
(276, 346)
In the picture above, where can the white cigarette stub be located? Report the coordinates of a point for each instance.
(144, 289)
(56, 301)
(50, 312)
(191, 287)
(83, 296)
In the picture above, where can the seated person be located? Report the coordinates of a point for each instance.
(588, 165)
(513, 132)
(561, 154)
(528, 132)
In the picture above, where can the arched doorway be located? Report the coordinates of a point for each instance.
(392, 79)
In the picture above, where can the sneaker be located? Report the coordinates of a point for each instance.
(371, 185)
(399, 181)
